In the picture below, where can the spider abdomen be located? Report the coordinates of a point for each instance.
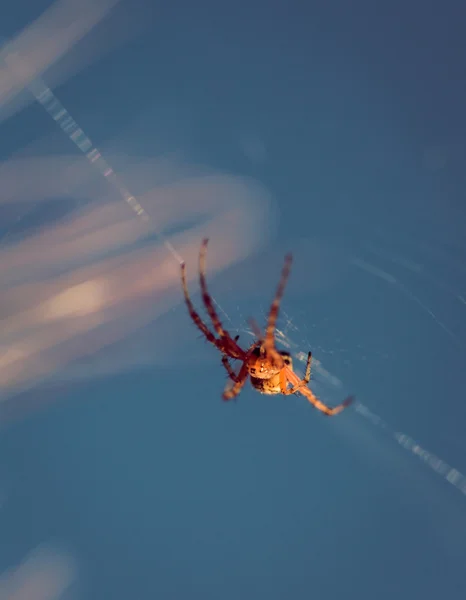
(266, 386)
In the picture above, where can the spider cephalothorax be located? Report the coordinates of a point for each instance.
(269, 370)
(263, 374)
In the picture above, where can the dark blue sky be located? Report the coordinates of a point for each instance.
(352, 117)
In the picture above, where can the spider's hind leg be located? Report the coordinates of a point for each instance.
(302, 383)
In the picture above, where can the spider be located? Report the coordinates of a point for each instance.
(269, 370)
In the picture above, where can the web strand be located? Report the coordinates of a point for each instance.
(44, 95)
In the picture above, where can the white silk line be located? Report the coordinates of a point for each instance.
(446, 471)
(44, 95)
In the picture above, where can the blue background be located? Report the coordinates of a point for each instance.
(159, 489)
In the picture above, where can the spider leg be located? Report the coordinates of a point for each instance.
(234, 350)
(205, 293)
(194, 314)
(269, 341)
(292, 378)
(307, 374)
(286, 391)
(231, 374)
(231, 391)
(256, 329)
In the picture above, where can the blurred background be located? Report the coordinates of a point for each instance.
(332, 130)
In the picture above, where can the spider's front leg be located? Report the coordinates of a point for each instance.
(230, 345)
(269, 340)
(195, 315)
(224, 343)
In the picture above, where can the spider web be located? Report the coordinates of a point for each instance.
(298, 339)
(288, 335)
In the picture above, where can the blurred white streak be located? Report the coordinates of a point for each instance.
(78, 286)
(43, 43)
(45, 574)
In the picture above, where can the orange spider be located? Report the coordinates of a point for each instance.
(270, 370)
